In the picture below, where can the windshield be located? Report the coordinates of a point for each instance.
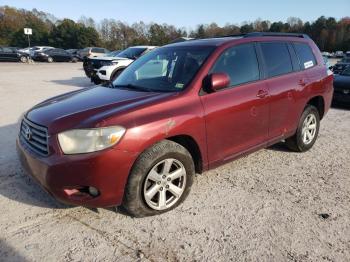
(112, 54)
(167, 69)
(132, 52)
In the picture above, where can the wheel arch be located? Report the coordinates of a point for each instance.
(192, 146)
(318, 102)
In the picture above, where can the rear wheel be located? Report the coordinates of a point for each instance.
(24, 59)
(50, 59)
(160, 180)
(307, 132)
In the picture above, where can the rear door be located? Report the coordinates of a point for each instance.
(284, 79)
(237, 117)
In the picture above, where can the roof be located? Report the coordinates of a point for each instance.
(217, 41)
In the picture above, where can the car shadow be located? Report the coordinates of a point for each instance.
(280, 147)
(7, 253)
(15, 184)
(74, 81)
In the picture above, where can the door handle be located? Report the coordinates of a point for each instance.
(262, 93)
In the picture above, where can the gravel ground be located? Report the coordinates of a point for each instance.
(272, 205)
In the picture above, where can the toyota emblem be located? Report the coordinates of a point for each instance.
(27, 133)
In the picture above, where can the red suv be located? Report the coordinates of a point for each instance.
(179, 110)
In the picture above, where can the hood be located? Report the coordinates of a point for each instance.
(113, 58)
(341, 81)
(87, 107)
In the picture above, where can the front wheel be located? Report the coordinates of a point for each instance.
(50, 59)
(160, 180)
(24, 59)
(307, 132)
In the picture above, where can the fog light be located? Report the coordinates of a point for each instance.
(93, 191)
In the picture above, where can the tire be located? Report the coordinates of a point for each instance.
(50, 59)
(297, 142)
(141, 180)
(116, 74)
(74, 60)
(23, 59)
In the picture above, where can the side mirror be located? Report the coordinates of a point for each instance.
(216, 81)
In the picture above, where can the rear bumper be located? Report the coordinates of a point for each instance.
(60, 175)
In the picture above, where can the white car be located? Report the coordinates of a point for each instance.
(108, 68)
(38, 49)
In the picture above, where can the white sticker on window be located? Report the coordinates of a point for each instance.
(308, 64)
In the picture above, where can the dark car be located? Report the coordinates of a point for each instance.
(178, 110)
(341, 65)
(53, 55)
(11, 54)
(342, 88)
(75, 55)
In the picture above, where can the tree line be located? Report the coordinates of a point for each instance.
(329, 33)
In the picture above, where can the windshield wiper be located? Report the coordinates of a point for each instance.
(133, 87)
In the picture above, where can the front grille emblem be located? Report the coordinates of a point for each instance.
(28, 133)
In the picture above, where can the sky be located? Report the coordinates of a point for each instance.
(188, 13)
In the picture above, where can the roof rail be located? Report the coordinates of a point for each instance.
(257, 34)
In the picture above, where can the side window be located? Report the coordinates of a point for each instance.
(277, 58)
(306, 57)
(97, 50)
(239, 63)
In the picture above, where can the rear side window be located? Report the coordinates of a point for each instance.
(306, 57)
(97, 50)
(277, 58)
(239, 63)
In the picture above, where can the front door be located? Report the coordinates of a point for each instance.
(237, 117)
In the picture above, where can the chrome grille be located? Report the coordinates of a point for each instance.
(35, 137)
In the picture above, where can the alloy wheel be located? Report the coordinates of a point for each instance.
(309, 129)
(164, 184)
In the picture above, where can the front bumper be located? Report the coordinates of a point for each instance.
(62, 175)
(105, 72)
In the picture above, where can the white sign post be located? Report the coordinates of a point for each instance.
(28, 32)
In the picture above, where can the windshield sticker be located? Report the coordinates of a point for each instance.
(308, 64)
(179, 85)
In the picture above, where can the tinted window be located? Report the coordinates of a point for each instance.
(277, 58)
(239, 63)
(132, 52)
(306, 57)
(97, 50)
(7, 50)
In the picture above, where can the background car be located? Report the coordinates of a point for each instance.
(104, 69)
(12, 54)
(342, 87)
(341, 65)
(53, 55)
(92, 52)
(339, 54)
(74, 53)
(38, 49)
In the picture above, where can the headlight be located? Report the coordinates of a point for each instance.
(79, 141)
(107, 63)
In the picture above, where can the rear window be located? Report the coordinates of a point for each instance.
(306, 57)
(277, 58)
(98, 50)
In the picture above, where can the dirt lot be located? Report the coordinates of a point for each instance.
(273, 205)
